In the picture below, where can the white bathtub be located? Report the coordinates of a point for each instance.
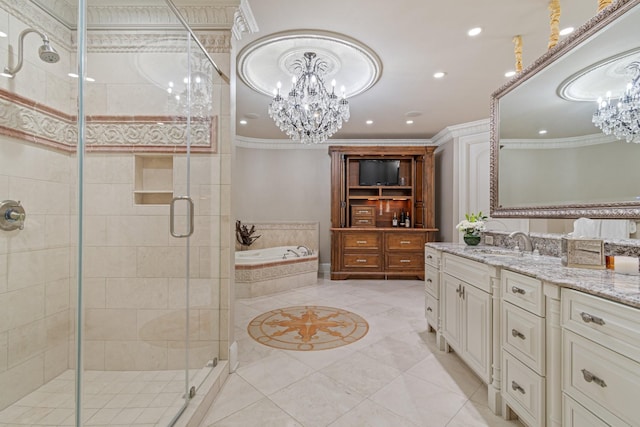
(270, 270)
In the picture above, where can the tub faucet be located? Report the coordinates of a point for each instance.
(293, 252)
(528, 246)
(306, 252)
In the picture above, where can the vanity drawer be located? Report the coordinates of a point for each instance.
(523, 335)
(524, 390)
(432, 257)
(431, 309)
(599, 377)
(404, 241)
(363, 221)
(432, 280)
(362, 261)
(362, 211)
(523, 291)
(611, 324)
(576, 415)
(472, 272)
(362, 240)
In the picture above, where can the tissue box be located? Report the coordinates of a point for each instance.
(583, 253)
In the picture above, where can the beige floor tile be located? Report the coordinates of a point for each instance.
(274, 372)
(238, 395)
(263, 413)
(362, 373)
(369, 414)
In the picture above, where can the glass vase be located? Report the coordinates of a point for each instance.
(472, 239)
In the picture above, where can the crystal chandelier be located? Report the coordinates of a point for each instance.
(622, 119)
(309, 114)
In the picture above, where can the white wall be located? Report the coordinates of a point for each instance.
(285, 185)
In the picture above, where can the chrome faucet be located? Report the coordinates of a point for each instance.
(293, 252)
(306, 251)
(528, 246)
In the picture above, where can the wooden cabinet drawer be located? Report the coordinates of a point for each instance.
(363, 221)
(431, 309)
(524, 390)
(609, 323)
(472, 272)
(360, 241)
(599, 377)
(523, 335)
(363, 211)
(431, 257)
(576, 415)
(432, 280)
(404, 241)
(405, 261)
(523, 291)
(362, 261)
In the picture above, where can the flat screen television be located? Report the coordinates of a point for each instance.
(379, 172)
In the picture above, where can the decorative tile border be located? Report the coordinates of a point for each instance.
(274, 270)
(32, 122)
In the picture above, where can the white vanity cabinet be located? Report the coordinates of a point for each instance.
(600, 361)
(467, 317)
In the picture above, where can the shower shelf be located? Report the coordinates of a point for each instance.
(154, 180)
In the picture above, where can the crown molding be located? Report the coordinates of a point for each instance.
(461, 130)
(244, 21)
(153, 41)
(288, 144)
(570, 142)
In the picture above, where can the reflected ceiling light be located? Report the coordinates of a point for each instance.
(621, 118)
(439, 74)
(309, 113)
(369, 122)
(474, 31)
(409, 122)
(46, 52)
(542, 131)
(75, 76)
(510, 73)
(243, 122)
(566, 31)
(3, 34)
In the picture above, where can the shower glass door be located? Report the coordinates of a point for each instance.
(109, 294)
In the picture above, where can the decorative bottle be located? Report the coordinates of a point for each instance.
(402, 218)
(407, 221)
(394, 221)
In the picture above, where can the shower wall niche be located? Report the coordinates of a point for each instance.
(154, 180)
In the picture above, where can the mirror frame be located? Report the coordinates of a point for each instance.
(611, 210)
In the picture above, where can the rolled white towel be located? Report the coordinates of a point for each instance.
(615, 228)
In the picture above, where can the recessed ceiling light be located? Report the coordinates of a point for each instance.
(369, 122)
(474, 31)
(542, 131)
(439, 74)
(566, 31)
(243, 122)
(409, 122)
(510, 73)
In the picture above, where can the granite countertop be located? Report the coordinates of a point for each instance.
(607, 284)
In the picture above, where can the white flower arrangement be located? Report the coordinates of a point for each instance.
(472, 224)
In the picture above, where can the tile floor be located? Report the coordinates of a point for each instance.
(394, 376)
(111, 398)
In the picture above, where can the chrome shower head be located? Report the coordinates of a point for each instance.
(47, 52)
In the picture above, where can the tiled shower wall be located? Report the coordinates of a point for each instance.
(34, 269)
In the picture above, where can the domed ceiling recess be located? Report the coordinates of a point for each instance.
(594, 81)
(267, 61)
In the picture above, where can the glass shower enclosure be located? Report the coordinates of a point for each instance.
(109, 214)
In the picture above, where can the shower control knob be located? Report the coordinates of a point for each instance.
(12, 215)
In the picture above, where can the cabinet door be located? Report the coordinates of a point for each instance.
(477, 330)
(450, 314)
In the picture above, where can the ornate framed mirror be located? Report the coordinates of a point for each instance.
(573, 169)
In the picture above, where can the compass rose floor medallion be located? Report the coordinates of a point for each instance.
(307, 328)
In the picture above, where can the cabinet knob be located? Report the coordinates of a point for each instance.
(517, 334)
(429, 281)
(517, 387)
(517, 290)
(429, 309)
(589, 318)
(589, 377)
(429, 257)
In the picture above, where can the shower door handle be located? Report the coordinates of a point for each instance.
(173, 217)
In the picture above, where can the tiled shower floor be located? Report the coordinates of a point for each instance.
(111, 398)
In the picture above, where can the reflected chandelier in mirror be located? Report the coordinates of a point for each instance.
(574, 169)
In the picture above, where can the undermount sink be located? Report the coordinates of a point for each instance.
(493, 251)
